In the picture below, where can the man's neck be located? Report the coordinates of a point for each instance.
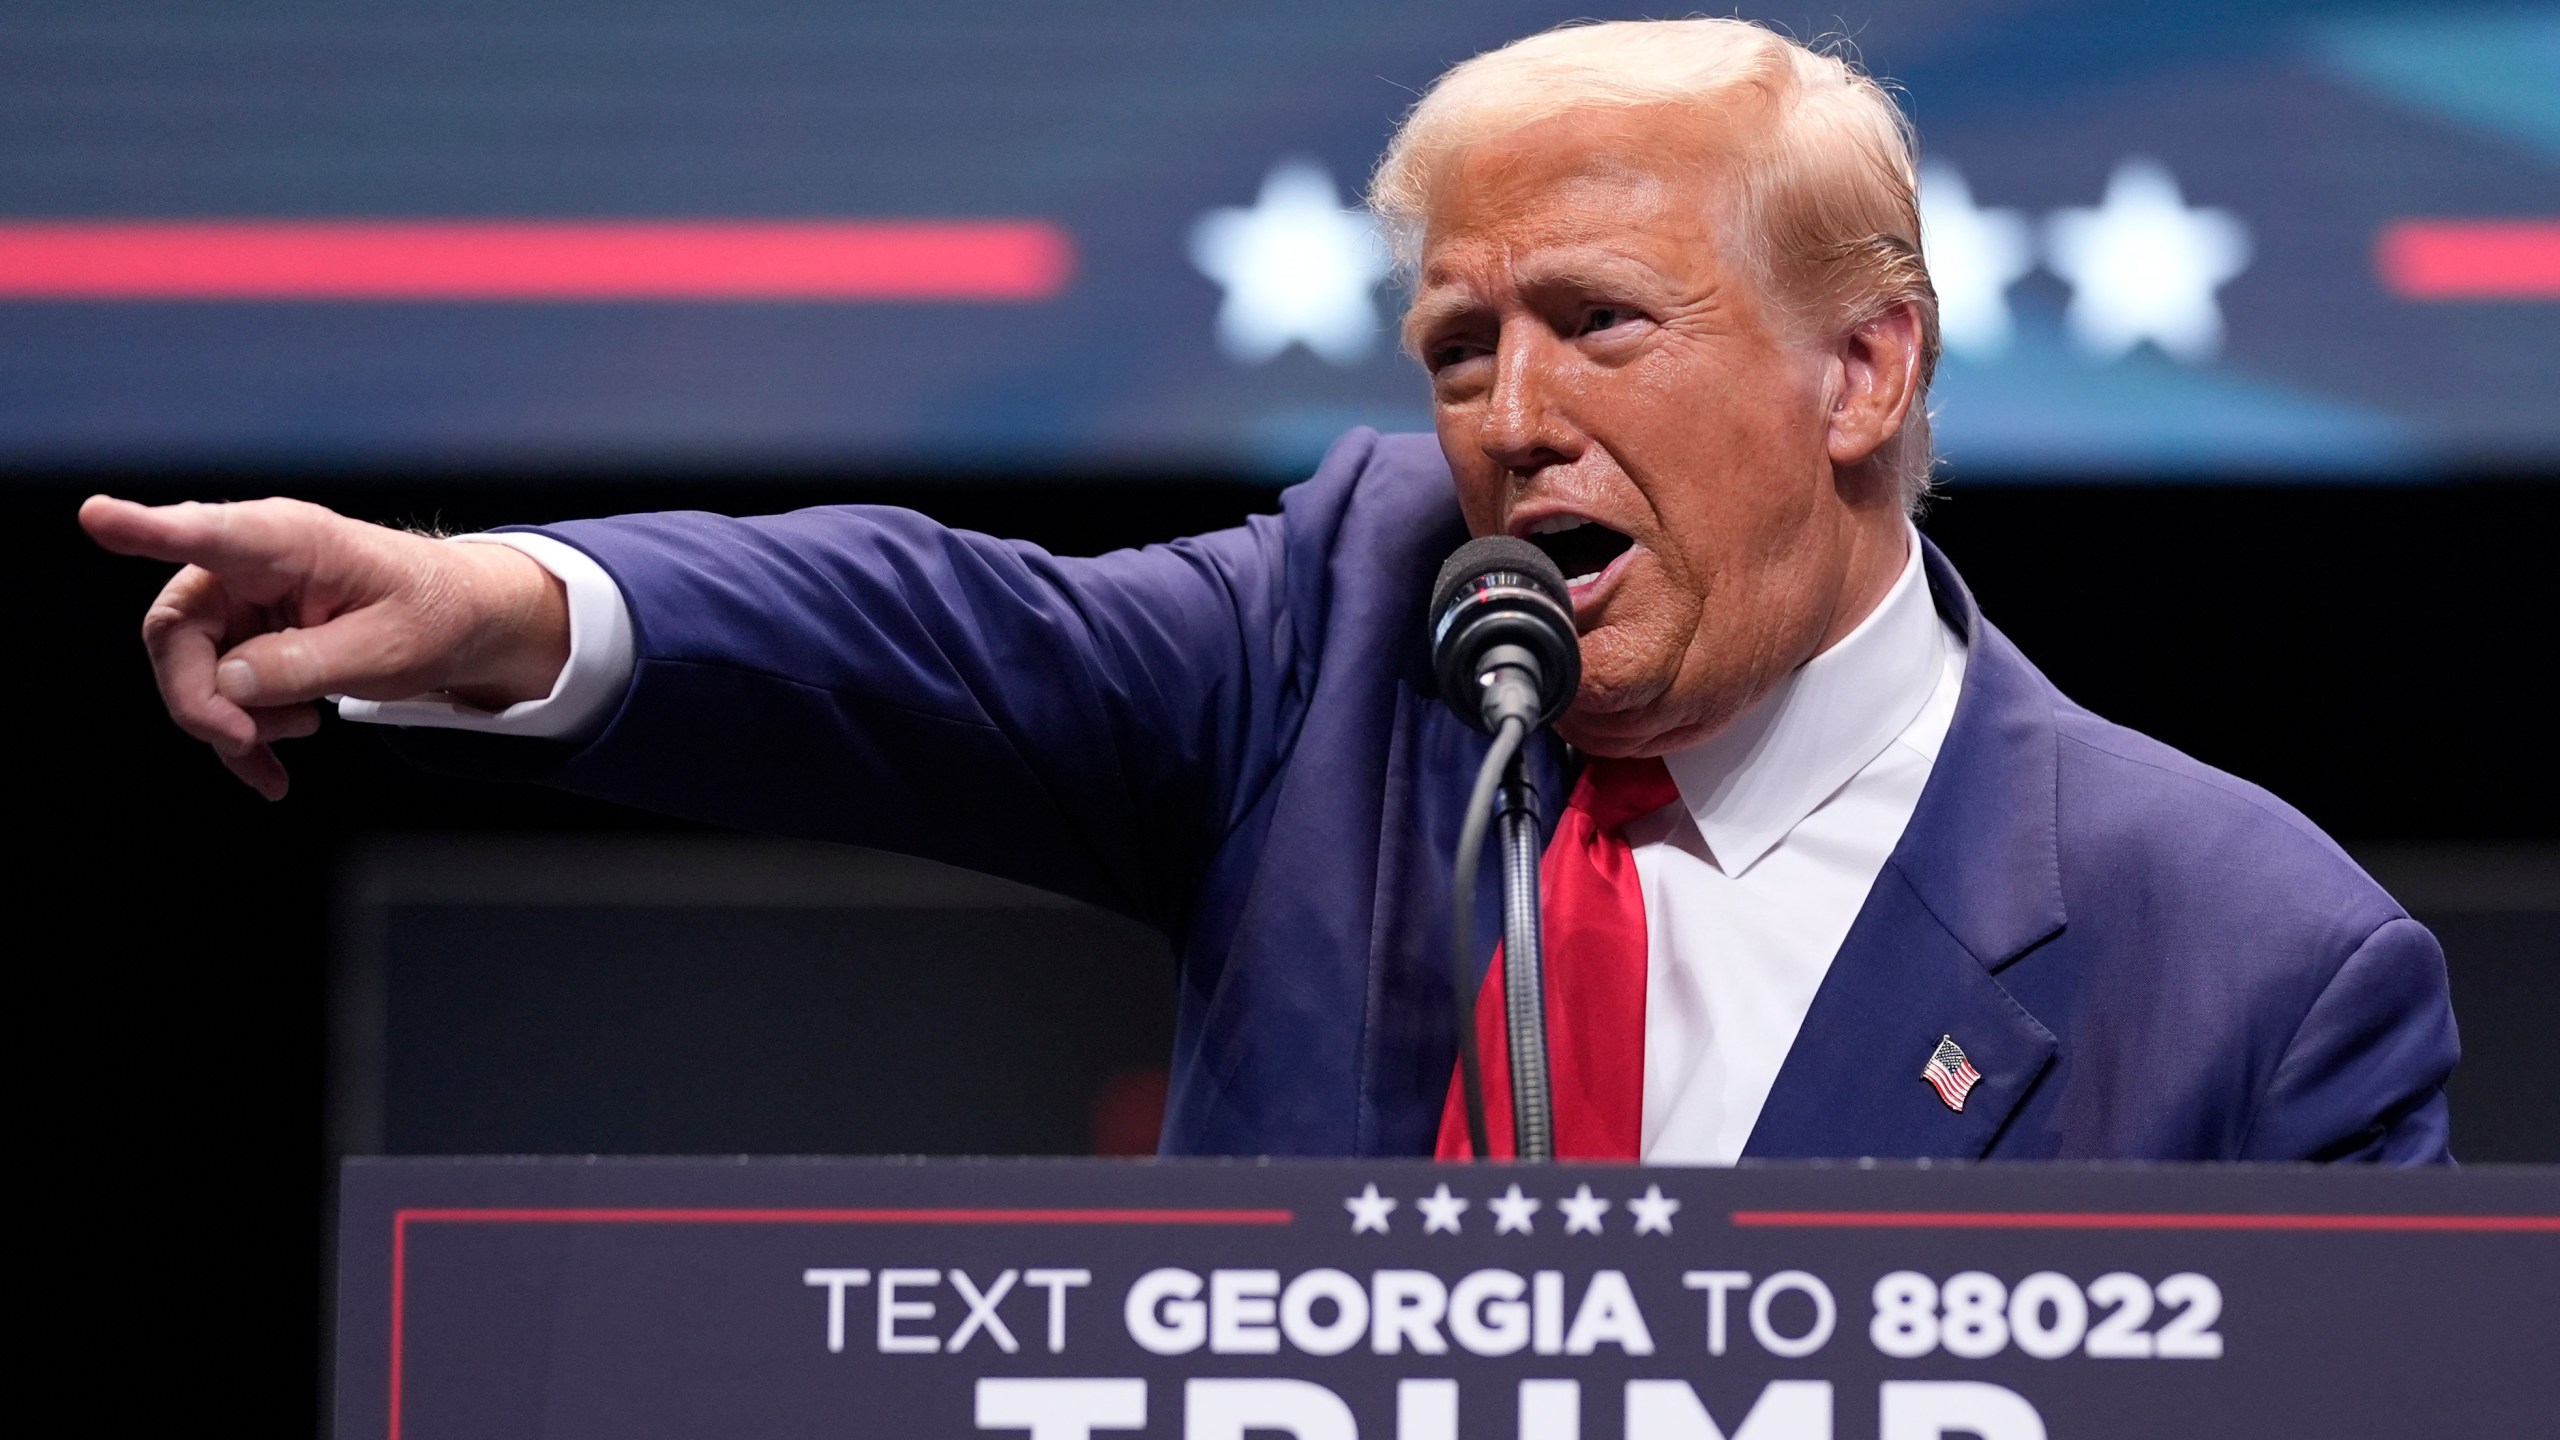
(1880, 548)
(1753, 782)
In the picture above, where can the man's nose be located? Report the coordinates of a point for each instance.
(1524, 429)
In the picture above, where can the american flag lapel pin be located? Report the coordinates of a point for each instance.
(1950, 1074)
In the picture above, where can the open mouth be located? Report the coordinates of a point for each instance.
(1583, 549)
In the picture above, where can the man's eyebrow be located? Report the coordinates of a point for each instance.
(1604, 274)
(1432, 309)
(1585, 272)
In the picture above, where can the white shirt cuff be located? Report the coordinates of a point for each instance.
(590, 686)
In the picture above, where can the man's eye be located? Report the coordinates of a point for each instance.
(1452, 353)
(1603, 317)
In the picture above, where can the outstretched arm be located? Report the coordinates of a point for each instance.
(1094, 726)
(853, 673)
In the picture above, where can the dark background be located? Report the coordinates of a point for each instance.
(2376, 655)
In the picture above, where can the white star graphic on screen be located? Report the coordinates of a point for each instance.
(1511, 1212)
(1369, 1210)
(2144, 266)
(1582, 1211)
(1299, 269)
(1974, 256)
(1440, 1211)
(1653, 1211)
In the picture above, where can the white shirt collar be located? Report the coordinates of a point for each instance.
(1779, 760)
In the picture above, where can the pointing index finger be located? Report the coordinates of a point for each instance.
(252, 539)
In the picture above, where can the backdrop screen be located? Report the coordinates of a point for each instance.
(2172, 237)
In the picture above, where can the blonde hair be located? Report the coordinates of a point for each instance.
(1828, 205)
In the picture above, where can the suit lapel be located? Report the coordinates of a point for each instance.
(1972, 885)
(1852, 1086)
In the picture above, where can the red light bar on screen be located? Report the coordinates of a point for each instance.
(537, 261)
(2471, 259)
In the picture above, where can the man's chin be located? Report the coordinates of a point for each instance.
(1631, 737)
(1619, 731)
(1633, 720)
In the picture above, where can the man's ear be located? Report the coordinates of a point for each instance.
(1879, 383)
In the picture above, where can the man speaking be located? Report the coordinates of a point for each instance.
(1840, 873)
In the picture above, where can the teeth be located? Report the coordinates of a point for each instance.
(1558, 524)
(1591, 579)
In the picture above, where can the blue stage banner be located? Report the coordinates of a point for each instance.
(1331, 1300)
(2178, 237)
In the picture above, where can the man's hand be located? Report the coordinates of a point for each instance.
(283, 602)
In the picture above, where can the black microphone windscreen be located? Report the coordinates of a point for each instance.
(1501, 600)
(1489, 553)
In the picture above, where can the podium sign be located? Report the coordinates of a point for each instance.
(746, 1299)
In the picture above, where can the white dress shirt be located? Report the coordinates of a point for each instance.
(1750, 882)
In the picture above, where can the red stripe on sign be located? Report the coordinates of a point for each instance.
(997, 260)
(2471, 259)
(849, 1217)
(2045, 1220)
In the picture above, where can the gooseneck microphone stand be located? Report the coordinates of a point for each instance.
(1504, 796)
(1507, 660)
(1524, 977)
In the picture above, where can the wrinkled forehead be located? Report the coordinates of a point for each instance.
(1577, 195)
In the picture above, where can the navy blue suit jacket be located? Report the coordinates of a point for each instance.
(1235, 738)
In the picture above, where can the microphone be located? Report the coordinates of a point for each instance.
(1508, 661)
(1502, 637)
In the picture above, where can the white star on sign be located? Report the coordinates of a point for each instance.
(1974, 256)
(1369, 1210)
(2143, 266)
(1653, 1211)
(1440, 1211)
(1511, 1212)
(1298, 269)
(1582, 1212)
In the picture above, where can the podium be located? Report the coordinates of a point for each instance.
(1401, 1300)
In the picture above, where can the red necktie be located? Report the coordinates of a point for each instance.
(1595, 960)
